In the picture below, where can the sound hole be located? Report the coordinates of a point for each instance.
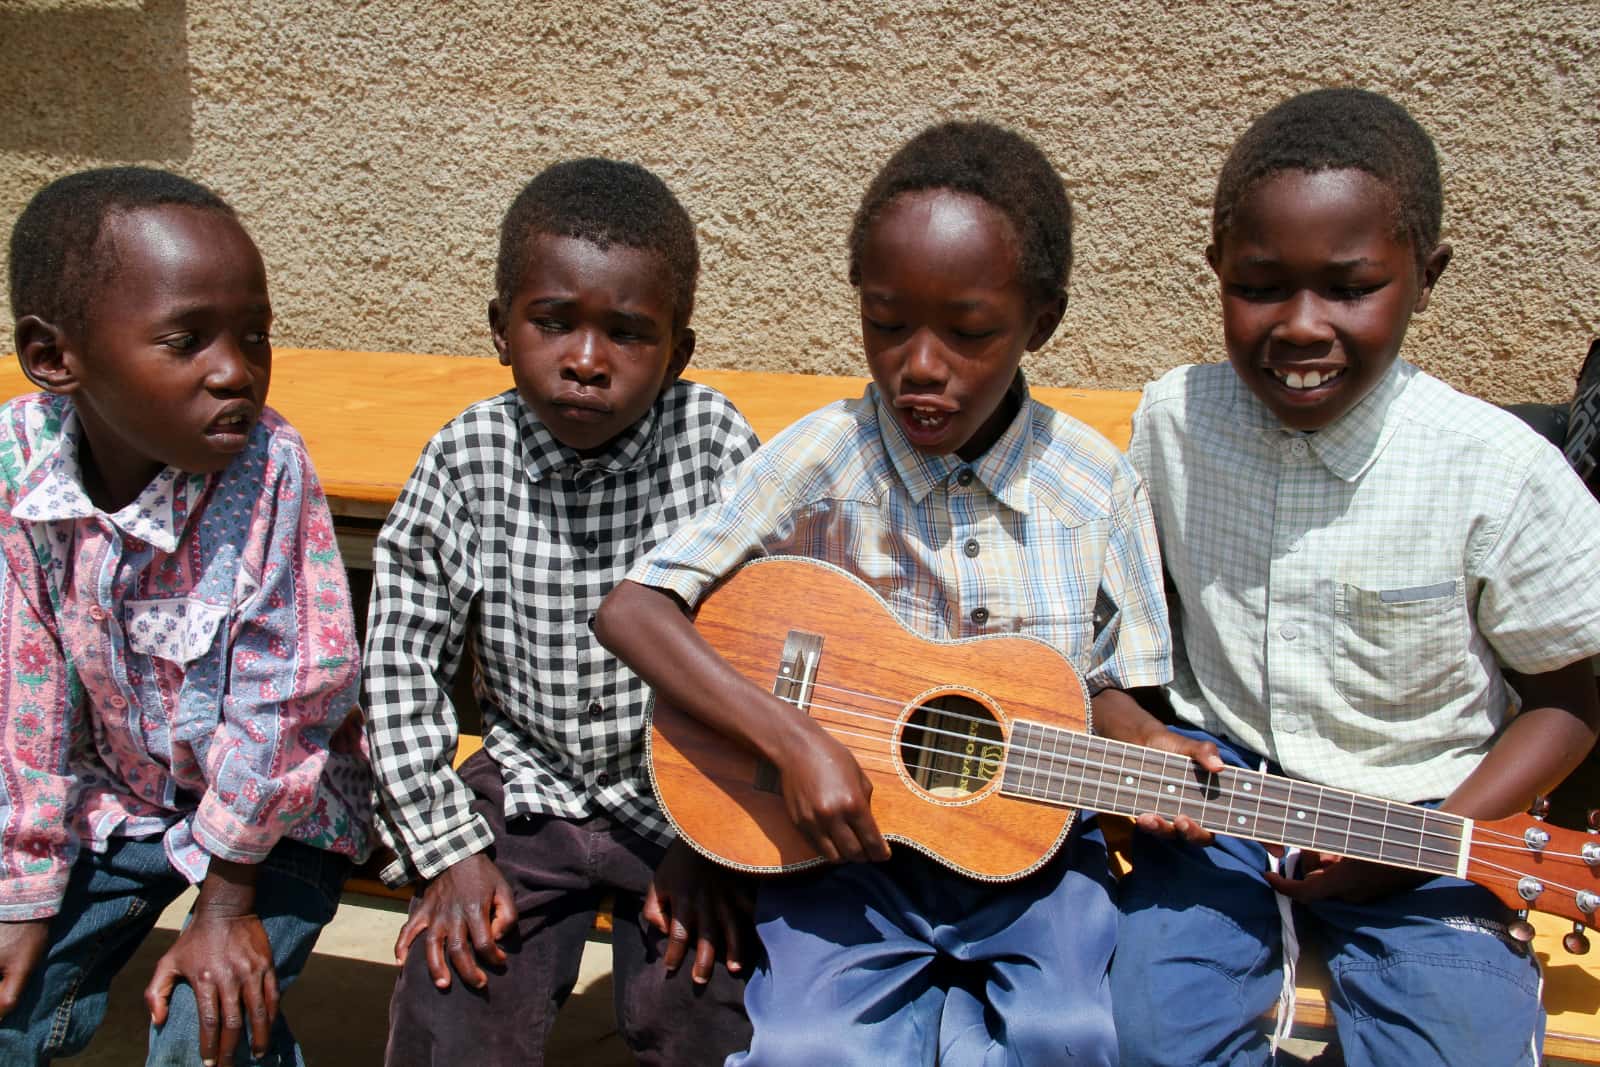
(951, 746)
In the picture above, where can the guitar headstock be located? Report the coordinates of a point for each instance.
(1532, 865)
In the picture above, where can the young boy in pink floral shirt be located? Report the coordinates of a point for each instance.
(178, 667)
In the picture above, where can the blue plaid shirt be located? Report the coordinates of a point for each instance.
(1048, 534)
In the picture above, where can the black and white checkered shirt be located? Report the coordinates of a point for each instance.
(502, 519)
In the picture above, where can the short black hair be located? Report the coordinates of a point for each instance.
(992, 163)
(56, 253)
(605, 202)
(1340, 129)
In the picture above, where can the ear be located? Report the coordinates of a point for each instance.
(42, 351)
(1434, 266)
(1213, 257)
(497, 330)
(1046, 318)
(682, 352)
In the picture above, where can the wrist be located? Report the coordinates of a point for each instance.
(229, 889)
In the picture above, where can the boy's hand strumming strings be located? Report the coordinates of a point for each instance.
(693, 901)
(463, 915)
(22, 946)
(224, 955)
(829, 798)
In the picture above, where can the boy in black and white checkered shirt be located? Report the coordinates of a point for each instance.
(521, 515)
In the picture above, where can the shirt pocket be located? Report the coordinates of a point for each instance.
(179, 630)
(1403, 647)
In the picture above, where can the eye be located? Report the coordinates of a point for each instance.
(181, 342)
(974, 335)
(877, 326)
(544, 324)
(1351, 294)
(1254, 293)
(257, 337)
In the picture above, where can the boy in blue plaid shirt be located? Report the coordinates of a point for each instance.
(971, 509)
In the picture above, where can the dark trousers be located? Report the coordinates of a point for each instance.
(560, 871)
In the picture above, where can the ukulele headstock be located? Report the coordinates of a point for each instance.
(1531, 865)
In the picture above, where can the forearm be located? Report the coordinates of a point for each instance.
(646, 629)
(1119, 716)
(1544, 743)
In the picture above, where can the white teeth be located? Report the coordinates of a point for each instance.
(1309, 380)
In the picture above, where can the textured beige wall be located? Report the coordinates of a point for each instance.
(372, 147)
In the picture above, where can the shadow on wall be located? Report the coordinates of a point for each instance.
(131, 102)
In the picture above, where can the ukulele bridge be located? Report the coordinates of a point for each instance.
(797, 675)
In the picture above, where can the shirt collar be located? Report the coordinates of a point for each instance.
(53, 491)
(1349, 445)
(543, 455)
(1003, 469)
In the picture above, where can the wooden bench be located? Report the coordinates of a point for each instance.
(366, 415)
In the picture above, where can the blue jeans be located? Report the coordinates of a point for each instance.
(113, 901)
(906, 962)
(1426, 976)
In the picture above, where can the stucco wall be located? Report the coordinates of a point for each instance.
(372, 147)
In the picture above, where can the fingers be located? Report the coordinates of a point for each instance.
(159, 992)
(504, 909)
(438, 970)
(459, 948)
(678, 935)
(261, 1025)
(231, 1001)
(652, 912)
(483, 942)
(210, 1015)
(416, 923)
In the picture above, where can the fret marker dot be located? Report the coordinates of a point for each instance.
(1240, 820)
(1248, 787)
(1300, 815)
(1128, 780)
(1172, 789)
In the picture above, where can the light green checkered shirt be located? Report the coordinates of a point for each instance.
(1345, 601)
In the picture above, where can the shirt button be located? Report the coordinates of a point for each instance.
(965, 477)
(1299, 448)
(971, 547)
(118, 701)
(1295, 546)
(980, 616)
(602, 779)
(1289, 632)
(97, 613)
(591, 542)
(595, 709)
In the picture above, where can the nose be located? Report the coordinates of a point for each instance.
(228, 368)
(925, 362)
(1305, 321)
(585, 360)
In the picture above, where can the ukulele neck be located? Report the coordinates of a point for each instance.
(1057, 766)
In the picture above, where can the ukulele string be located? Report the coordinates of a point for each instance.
(1501, 873)
(1448, 842)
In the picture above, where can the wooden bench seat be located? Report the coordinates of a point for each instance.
(366, 415)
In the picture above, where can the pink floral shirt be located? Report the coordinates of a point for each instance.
(186, 667)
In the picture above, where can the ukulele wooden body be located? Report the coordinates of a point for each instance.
(935, 772)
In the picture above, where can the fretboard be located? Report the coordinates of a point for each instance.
(1078, 770)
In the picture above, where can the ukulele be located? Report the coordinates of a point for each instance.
(979, 755)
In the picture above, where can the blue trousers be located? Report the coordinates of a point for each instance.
(905, 962)
(1426, 976)
(113, 901)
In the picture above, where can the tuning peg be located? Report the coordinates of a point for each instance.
(1593, 816)
(1521, 929)
(1540, 807)
(1575, 942)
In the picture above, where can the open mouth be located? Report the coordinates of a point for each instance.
(234, 423)
(1306, 380)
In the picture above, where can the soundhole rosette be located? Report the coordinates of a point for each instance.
(951, 744)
